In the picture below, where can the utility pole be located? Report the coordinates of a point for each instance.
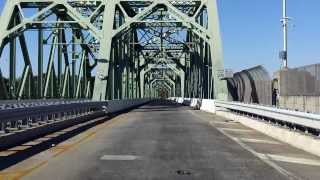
(285, 21)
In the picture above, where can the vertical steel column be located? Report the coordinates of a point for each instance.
(150, 88)
(202, 60)
(73, 79)
(100, 86)
(26, 81)
(48, 86)
(12, 63)
(132, 54)
(60, 37)
(52, 82)
(66, 82)
(123, 86)
(125, 50)
(124, 69)
(216, 54)
(85, 74)
(138, 77)
(79, 89)
(40, 62)
(117, 78)
(208, 71)
(111, 78)
(127, 80)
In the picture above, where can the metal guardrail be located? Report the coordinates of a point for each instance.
(294, 118)
(12, 104)
(297, 118)
(20, 118)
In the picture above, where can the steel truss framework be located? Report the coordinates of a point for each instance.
(110, 49)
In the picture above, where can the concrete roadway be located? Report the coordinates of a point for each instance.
(163, 141)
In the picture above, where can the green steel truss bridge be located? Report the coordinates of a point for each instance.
(82, 96)
(110, 49)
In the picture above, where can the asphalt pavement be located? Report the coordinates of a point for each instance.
(164, 141)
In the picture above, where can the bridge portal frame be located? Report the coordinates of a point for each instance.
(108, 22)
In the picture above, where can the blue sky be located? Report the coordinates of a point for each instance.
(252, 35)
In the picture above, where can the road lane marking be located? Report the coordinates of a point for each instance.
(225, 122)
(119, 157)
(237, 130)
(18, 174)
(258, 155)
(262, 141)
(288, 159)
(268, 161)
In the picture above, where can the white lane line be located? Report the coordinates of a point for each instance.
(224, 122)
(119, 157)
(258, 155)
(262, 141)
(237, 130)
(288, 159)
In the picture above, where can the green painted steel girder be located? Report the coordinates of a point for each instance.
(103, 49)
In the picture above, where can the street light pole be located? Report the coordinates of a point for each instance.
(285, 21)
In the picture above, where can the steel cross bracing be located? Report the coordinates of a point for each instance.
(110, 49)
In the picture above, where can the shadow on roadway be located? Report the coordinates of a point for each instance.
(161, 105)
(15, 156)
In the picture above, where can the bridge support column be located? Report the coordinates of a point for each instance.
(219, 86)
(100, 86)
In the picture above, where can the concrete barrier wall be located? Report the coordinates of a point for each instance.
(202, 104)
(301, 103)
(297, 139)
(208, 106)
(196, 103)
(179, 100)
